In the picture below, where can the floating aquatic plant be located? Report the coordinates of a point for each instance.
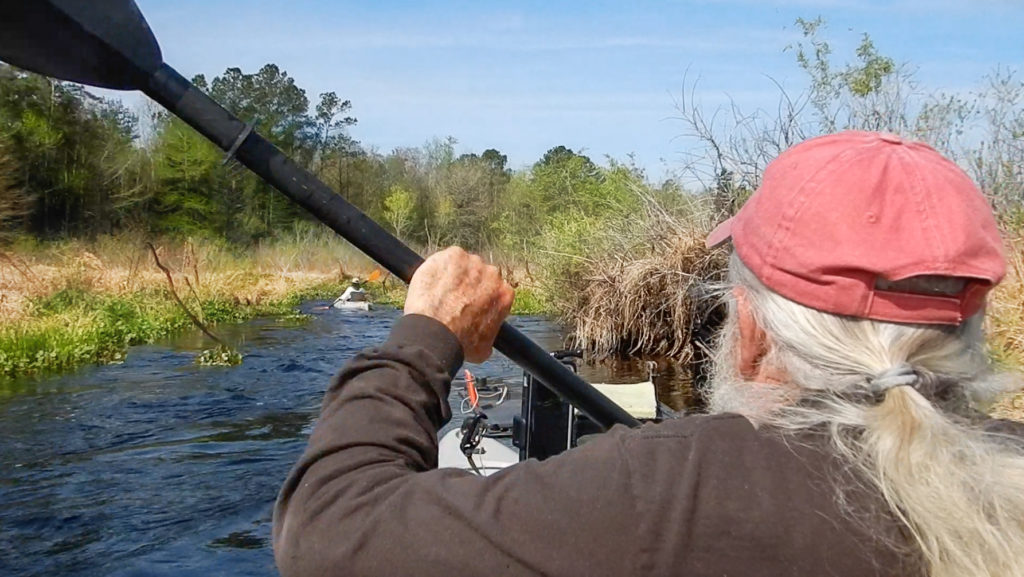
(221, 356)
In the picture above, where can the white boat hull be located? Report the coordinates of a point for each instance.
(490, 456)
(352, 305)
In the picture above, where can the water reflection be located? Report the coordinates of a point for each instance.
(672, 382)
(240, 540)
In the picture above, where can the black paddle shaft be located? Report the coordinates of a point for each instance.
(181, 97)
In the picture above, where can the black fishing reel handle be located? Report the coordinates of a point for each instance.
(472, 429)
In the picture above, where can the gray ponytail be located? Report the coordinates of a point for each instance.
(900, 403)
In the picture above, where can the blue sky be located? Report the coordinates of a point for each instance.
(599, 76)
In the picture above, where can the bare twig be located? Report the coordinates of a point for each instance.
(177, 299)
(23, 269)
(195, 264)
(133, 268)
(195, 295)
(567, 255)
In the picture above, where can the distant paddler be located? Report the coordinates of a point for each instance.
(354, 297)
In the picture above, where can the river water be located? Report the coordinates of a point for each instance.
(160, 467)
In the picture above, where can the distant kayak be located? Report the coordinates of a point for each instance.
(352, 305)
(353, 299)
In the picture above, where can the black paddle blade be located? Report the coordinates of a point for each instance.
(105, 43)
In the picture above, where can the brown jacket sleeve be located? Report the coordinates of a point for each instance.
(366, 497)
(701, 496)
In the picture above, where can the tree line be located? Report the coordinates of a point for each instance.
(74, 164)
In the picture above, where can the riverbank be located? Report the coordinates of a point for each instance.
(528, 301)
(68, 304)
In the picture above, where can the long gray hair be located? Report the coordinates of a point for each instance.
(958, 489)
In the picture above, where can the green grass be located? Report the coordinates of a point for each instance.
(74, 327)
(530, 302)
(393, 295)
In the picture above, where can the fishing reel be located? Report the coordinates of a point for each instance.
(482, 400)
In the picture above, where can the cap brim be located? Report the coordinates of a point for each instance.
(722, 233)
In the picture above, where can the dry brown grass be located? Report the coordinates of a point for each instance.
(1006, 325)
(1006, 309)
(1012, 407)
(650, 291)
(123, 265)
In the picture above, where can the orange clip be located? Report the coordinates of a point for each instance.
(474, 399)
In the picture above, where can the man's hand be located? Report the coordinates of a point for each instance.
(466, 294)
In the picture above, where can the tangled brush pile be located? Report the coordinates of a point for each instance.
(651, 289)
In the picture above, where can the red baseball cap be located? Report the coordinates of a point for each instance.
(836, 214)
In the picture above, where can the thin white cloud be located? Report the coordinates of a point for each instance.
(718, 41)
(383, 95)
(818, 4)
(929, 7)
(505, 21)
(953, 5)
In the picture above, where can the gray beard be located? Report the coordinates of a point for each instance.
(728, 392)
(756, 401)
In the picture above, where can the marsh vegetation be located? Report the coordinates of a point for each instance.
(616, 257)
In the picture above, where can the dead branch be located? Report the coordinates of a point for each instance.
(177, 299)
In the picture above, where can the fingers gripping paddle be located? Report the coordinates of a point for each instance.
(108, 43)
